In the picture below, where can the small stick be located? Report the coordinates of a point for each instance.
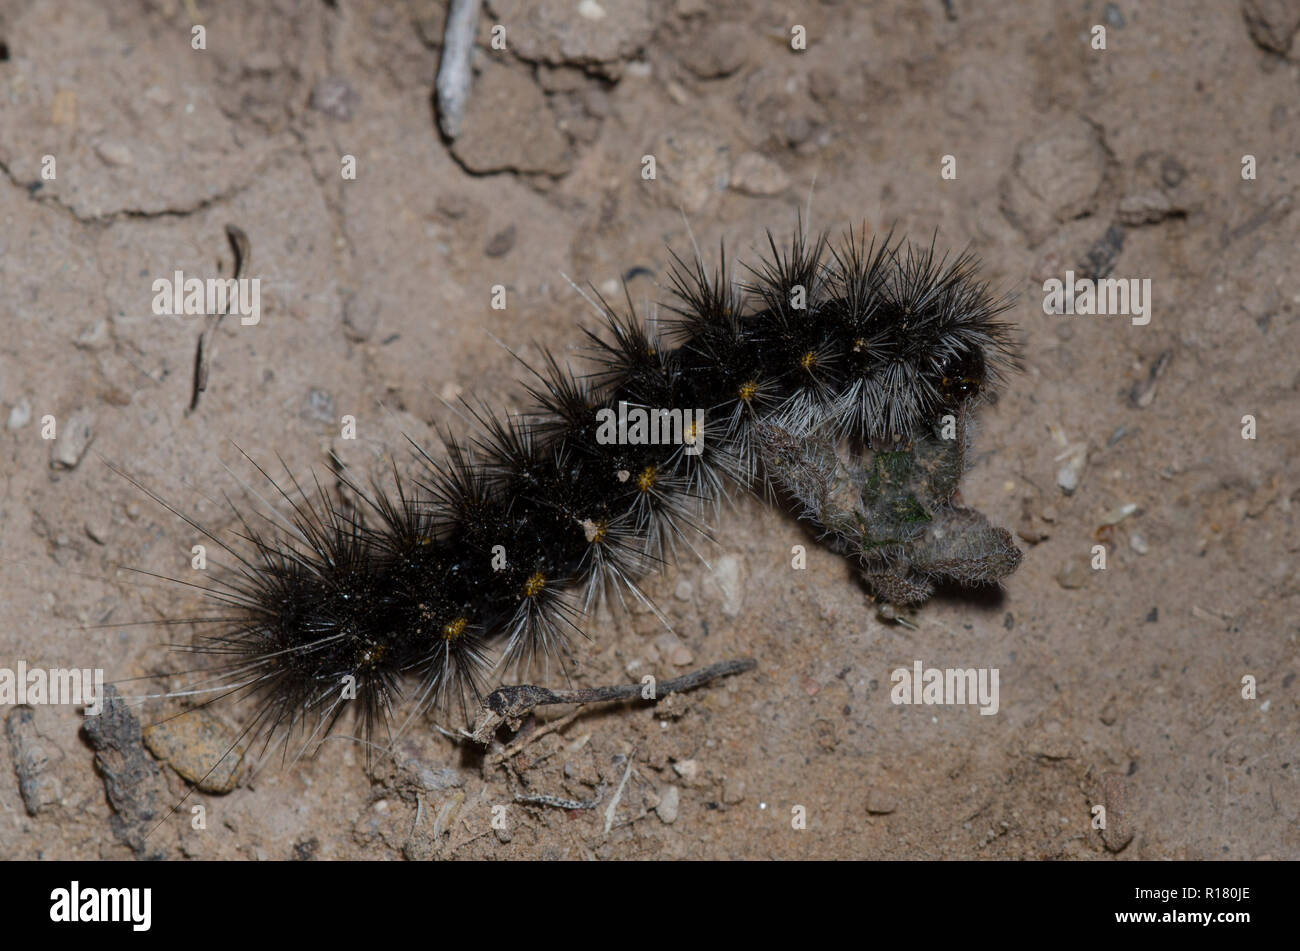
(559, 803)
(618, 796)
(454, 73)
(535, 735)
(241, 246)
(513, 703)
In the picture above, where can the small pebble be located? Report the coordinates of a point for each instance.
(1146, 208)
(595, 101)
(434, 780)
(318, 405)
(1073, 574)
(754, 174)
(452, 205)
(94, 337)
(1143, 392)
(881, 803)
(1119, 826)
(73, 439)
(687, 769)
(733, 791)
(669, 805)
(37, 786)
(719, 50)
(1056, 175)
(726, 578)
(501, 243)
(509, 125)
(672, 650)
(694, 164)
(1069, 475)
(1172, 172)
(113, 153)
(797, 130)
(97, 530)
(823, 84)
(1117, 515)
(335, 97)
(1271, 25)
(684, 591)
(1138, 543)
(20, 414)
(447, 814)
(360, 317)
(1031, 533)
(191, 744)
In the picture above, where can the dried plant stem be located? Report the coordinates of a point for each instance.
(513, 703)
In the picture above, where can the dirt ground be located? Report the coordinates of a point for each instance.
(1120, 687)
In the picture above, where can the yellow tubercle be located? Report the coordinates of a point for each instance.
(646, 480)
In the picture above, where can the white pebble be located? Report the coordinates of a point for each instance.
(669, 805)
(72, 440)
(726, 576)
(113, 153)
(671, 649)
(20, 414)
(1069, 475)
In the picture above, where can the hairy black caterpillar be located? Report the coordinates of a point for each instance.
(487, 558)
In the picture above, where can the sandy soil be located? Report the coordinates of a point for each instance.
(1121, 687)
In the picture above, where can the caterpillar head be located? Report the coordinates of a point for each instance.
(962, 376)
